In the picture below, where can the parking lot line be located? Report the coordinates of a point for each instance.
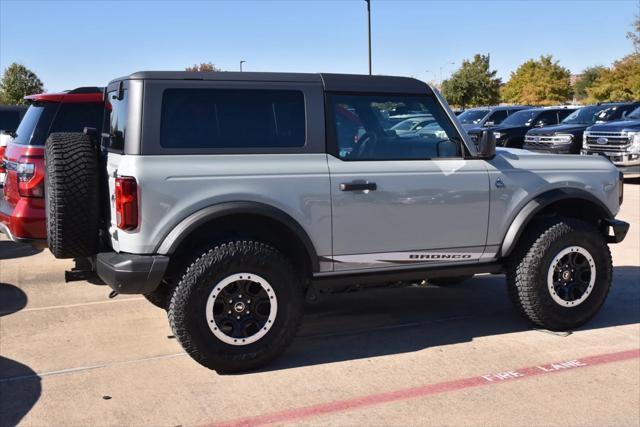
(430, 389)
(81, 304)
(88, 368)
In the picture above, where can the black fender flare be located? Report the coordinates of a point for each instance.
(177, 235)
(529, 211)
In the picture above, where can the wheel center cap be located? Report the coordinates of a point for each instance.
(566, 275)
(239, 307)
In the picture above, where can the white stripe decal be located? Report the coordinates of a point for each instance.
(407, 257)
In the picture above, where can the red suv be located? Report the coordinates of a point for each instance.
(22, 206)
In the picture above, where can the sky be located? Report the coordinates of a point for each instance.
(88, 43)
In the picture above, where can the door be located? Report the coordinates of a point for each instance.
(401, 199)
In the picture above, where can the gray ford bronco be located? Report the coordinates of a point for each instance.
(229, 199)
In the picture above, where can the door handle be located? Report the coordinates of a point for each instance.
(358, 186)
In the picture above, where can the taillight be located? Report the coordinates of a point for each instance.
(30, 172)
(126, 203)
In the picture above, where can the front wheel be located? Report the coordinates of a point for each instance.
(237, 307)
(560, 274)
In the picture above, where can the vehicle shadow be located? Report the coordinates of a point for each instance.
(20, 389)
(12, 299)
(10, 250)
(392, 321)
(20, 386)
(634, 181)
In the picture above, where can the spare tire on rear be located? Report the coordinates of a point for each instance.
(71, 192)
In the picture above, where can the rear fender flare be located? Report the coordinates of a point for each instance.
(177, 235)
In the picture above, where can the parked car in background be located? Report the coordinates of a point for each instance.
(22, 206)
(10, 116)
(414, 124)
(619, 141)
(480, 117)
(511, 132)
(566, 138)
(392, 120)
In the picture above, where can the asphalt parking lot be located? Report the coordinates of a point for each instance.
(437, 356)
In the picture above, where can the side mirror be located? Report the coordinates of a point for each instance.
(487, 144)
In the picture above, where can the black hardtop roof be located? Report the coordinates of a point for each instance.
(331, 82)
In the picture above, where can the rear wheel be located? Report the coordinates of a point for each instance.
(237, 307)
(561, 273)
(71, 195)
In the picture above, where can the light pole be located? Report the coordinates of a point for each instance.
(242, 62)
(441, 67)
(369, 27)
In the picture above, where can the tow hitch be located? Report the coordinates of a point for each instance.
(83, 270)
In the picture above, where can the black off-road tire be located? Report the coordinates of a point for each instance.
(71, 192)
(529, 266)
(449, 281)
(187, 309)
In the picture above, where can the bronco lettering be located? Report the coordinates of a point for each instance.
(439, 256)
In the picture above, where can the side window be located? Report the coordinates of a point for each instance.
(115, 120)
(370, 127)
(221, 118)
(498, 116)
(75, 117)
(547, 118)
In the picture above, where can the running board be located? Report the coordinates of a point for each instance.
(391, 275)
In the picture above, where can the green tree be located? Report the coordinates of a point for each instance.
(538, 82)
(205, 66)
(587, 80)
(621, 82)
(473, 84)
(17, 82)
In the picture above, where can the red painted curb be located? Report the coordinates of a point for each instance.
(429, 389)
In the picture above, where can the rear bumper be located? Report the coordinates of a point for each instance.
(129, 273)
(36, 243)
(25, 221)
(620, 229)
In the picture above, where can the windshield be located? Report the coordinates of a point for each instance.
(472, 116)
(586, 115)
(635, 114)
(520, 118)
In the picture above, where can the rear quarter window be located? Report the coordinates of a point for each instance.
(230, 118)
